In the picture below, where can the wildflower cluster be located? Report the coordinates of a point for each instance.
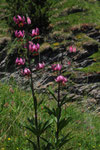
(31, 47)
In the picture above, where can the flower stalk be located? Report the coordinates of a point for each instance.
(34, 101)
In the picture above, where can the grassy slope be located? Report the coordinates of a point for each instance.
(17, 106)
(3, 25)
(91, 15)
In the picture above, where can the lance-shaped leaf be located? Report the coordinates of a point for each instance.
(48, 143)
(47, 147)
(2, 105)
(34, 145)
(55, 112)
(52, 93)
(65, 99)
(50, 112)
(40, 102)
(61, 142)
(46, 125)
(63, 123)
(32, 129)
(31, 121)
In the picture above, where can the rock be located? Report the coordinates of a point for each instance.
(91, 47)
(3, 52)
(91, 101)
(72, 10)
(98, 109)
(85, 63)
(87, 79)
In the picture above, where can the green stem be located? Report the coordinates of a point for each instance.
(34, 100)
(59, 114)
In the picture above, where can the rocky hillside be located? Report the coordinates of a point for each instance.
(72, 23)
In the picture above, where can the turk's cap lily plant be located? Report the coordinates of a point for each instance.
(61, 79)
(19, 33)
(20, 61)
(26, 71)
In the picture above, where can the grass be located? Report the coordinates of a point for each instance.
(95, 67)
(3, 24)
(17, 105)
(90, 15)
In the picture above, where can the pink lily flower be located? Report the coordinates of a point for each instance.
(40, 66)
(33, 47)
(56, 67)
(19, 34)
(35, 32)
(69, 63)
(72, 49)
(53, 67)
(19, 17)
(20, 61)
(38, 46)
(26, 71)
(19, 20)
(61, 79)
(15, 20)
(28, 20)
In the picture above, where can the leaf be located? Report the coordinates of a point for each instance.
(64, 140)
(55, 112)
(63, 123)
(65, 99)
(40, 102)
(50, 112)
(34, 145)
(32, 129)
(52, 93)
(45, 140)
(48, 147)
(2, 105)
(46, 125)
(31, 121)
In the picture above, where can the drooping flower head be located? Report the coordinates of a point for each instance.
(26, 71)
(35, 32)
(28, 20)
(72, 49)
(20, 61)
(53, 67)
(56, 67)
(69, 63)
(40, 66)
(33, 47)
(19, 20)
(19, 33)
(61, 79)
